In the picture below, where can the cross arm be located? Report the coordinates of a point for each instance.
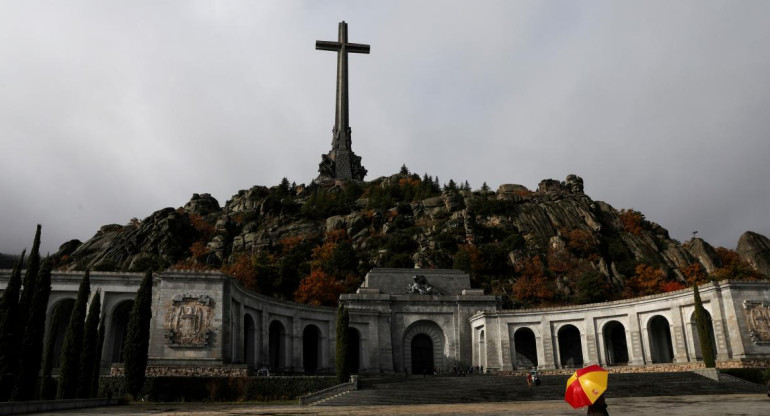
(327, 45)
(357, 48)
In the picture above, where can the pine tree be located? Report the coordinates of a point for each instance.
(88, 358)
(138, 337)
(32, 342)
(69, 370)
(31, 275)
(342, 345)
(707, 350)
(9, 351)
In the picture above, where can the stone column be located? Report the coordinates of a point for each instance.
(677, 336)
(547, 360)
(635, 341)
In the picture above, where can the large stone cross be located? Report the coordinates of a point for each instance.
(341, 162)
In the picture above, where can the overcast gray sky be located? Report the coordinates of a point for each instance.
(111, 110)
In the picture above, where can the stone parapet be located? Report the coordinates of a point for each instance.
(188, 371)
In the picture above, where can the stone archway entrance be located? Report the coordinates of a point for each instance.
(570, 347)
(311, 348)
(423, 347)
(276, 347)
(249, 341)
(118, 330)
(354, 356)
(524, 348)
(696, 334)
(57, 328)
(422, 354)
(661, 350)
(615, 346)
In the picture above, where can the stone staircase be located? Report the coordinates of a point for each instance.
(394, 390)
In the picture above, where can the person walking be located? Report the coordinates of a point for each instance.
(599, 408)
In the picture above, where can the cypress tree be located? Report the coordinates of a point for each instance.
(138, 337)
(707, 350)
(88, 358)
(31, 275)
(97, 360)
(9, 351)
(69, 370)
(32, 342)
(342, 345)
(48, 388)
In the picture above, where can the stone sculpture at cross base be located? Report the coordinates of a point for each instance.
(341, 163)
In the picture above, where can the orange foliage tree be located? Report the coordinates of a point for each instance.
(733, 267)
(694, 274)
(533, 286)
(649, 280)
(632, 221)
(244, 271)
(318, 288)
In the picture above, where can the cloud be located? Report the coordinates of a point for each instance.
(110, 111)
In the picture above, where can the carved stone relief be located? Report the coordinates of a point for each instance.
(188, 321)
(758, 320)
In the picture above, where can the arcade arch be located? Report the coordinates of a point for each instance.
(249, 341)
(615, 344)
(570, 347)
(659, 331)
(118, 327)
(696, 334)
(311, 348)
(423, 347)
(277, 346)
(524, 348)
(57, 327)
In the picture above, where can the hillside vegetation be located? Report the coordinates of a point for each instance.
(551, 245)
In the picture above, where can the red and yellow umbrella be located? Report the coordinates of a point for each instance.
(585, 386)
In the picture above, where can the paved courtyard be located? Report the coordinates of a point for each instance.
(733, 404)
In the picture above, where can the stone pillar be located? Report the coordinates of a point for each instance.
(264, 337)
(547, 360)
(504, 345)
(718, 322)
(677, 336)
(635, 341)
(590, 354)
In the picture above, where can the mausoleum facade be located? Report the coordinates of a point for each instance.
(413, 321)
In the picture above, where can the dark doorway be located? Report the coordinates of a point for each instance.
(311, 348)
(615, 343)
(660, 340)
(277, 346)
(422, 354)
(118, 328)
(57, 327)
(354, 352)
(525, 348)
(570, 347)
(249, 341)
(696, 334)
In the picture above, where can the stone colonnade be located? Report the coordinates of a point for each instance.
(636, 332)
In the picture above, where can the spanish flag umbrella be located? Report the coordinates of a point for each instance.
(585, 386)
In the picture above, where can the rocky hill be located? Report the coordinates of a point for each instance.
(550, 245)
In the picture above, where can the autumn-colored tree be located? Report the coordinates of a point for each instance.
(205, 228)
(733, 267)
(648, 280)
(632, 221)
(580, 242)
(199, 249)
(243, 270)
(533, 285)
(694, 274)
(318, 288)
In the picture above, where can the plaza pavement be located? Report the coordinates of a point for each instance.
(702, 405)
